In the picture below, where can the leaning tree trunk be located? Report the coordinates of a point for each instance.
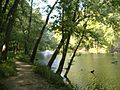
(60, 44)
(68, 40)
(63, 56)
(71, 60)
(9, 29)
(56, 52)
(41, 33)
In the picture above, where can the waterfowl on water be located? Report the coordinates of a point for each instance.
(92, 71)
(114, 62)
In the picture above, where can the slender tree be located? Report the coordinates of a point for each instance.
(60, 43)
(72, 58)
(27, 41)
(64, 53)
(41, 33)
(73, 21)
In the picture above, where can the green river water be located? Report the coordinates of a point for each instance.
(106, 72)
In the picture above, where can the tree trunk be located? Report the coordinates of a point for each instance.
(63, 56)
(41, 33)
(1, 18)
(68, 40)
(7, 39)
(9, 15)
(56, 52)
(5, 6)
(1, 7)
(8, 30)
(71, 60)
(60, 44)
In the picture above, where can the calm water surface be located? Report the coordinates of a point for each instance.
(105, 77)
(106, 70)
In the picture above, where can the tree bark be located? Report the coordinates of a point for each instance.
(1, 16)
(41, 33)
(71, 60)
(9, 29)
(63, 56)
(73, 20)
(56, 52)
(60, 44)
(5, 6)
(1, 6)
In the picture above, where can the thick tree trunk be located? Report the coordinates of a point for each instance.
(8, 30)
(7, 39)
(41, 33)
(9, 15)
(63, 56)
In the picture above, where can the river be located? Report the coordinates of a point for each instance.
(106, 75)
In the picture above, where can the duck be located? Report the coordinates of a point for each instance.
(92, 71)
(114, 62)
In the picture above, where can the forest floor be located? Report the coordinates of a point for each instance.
(26, 79)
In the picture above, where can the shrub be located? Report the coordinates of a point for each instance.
(7, 69)
(52, 78)
(22, 57)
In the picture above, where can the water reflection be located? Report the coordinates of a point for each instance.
(106, 75)
(91, 71)
(43, 58)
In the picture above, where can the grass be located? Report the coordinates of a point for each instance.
(51, 77)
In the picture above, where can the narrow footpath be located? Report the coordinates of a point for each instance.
(26, 79)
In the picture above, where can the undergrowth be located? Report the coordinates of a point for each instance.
(51, 77)
(7, 68)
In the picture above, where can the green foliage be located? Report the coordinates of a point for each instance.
(7, 69)
(52, 78)
(22, 57)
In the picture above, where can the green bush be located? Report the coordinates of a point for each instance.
(7, 69)
(22, 57)
(52, 78)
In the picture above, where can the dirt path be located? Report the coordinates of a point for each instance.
(26, 79)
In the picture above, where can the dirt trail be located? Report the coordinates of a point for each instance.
(26, 79)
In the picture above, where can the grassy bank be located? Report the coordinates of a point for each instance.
(51, 77)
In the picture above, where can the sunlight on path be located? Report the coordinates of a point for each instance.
(26, 79)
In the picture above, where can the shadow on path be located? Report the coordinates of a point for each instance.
(26, 79)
